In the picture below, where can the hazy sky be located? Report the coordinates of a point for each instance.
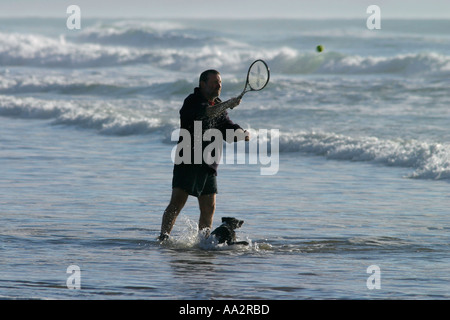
(228, 8)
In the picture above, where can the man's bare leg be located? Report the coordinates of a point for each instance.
(207, 205)
(177, 202)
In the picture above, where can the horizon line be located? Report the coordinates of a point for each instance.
(219, 18)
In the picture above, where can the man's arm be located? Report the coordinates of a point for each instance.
(218, 109)
(224, 123)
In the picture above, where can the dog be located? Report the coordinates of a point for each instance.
(225, 232)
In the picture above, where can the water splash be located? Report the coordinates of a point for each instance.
(187, 236)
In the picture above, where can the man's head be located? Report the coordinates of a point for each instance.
(210, 84)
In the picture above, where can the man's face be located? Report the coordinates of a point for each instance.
(211, 89)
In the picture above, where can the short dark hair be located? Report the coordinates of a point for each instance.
(205, 75)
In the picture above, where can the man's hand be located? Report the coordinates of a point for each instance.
(247, 135)
(242, 135)
(235, 102)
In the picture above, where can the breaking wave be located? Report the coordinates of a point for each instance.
(92, 86)
(129, 118)
(110, 101)
(290, 61)
(183, 52)
(429, 160)
(145, 35)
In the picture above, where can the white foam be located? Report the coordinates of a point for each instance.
(186, 235)
(429, 160)
(100, 47)
(105, 117)
(30, 108)
(290, 61)
(37, 50)
(138, 34)
(41, 51)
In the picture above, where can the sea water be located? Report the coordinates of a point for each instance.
(86, 120)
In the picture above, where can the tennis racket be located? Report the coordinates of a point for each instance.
(257, 77)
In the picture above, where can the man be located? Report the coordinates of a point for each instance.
(199, 179)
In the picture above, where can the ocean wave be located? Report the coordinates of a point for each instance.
(145, 34)
(289, 61)
(107, 86)
(41, 51)
(30, 108)
(129, 117)
(429, 160)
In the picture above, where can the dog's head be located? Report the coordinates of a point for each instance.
(233, 222)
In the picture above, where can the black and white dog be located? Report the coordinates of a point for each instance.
(225, 232)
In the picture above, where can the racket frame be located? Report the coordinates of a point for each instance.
(248, 76)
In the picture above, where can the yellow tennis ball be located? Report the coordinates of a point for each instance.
(319, 48)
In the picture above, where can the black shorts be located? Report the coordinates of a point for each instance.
(195, 179)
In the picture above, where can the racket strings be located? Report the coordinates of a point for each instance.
(258, 76)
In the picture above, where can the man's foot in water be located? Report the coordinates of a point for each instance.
(163, 237)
